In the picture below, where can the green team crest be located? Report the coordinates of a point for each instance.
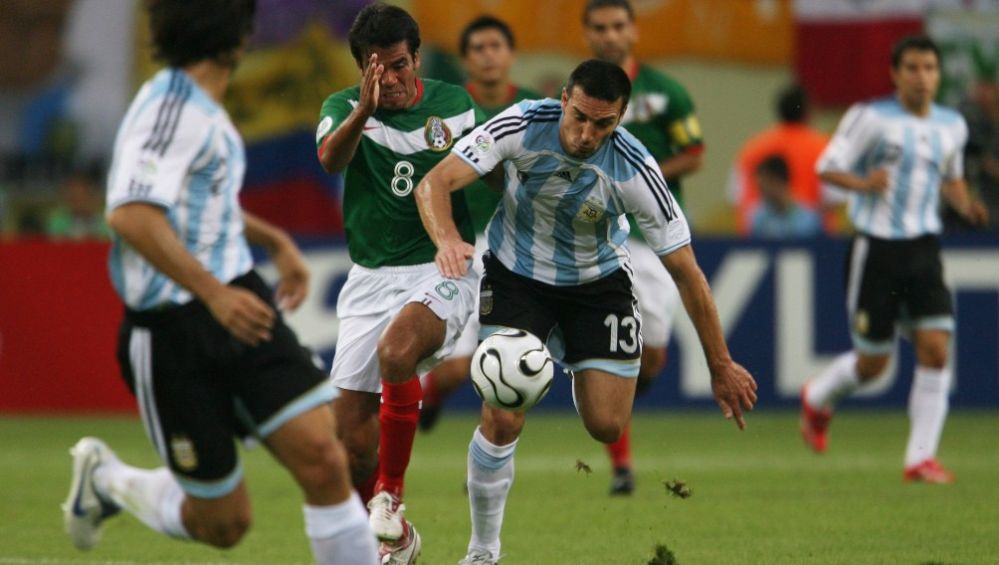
(438, 135)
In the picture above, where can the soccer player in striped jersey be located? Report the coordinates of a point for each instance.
(661, 115)
(487, 52)
(558, 265)
(897, 157)
(203, 344)
(398, 316)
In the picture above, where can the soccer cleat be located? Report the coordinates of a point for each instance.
(385, 516)
(84, 509)
(623, 483)
(479, 557)
(929, 471)
(814, 424)
(403, 552)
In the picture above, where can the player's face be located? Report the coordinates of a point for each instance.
(398, 82)
(611, 34)
(489, 56)
(917, 77)
(586, 122)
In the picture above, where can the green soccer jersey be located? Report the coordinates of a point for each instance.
(482, 200)
(397, 148)
(661, 115)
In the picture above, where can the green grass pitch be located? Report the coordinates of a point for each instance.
(758, 496)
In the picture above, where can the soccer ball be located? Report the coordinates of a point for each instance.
(512, 370)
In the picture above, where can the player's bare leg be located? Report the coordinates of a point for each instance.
(356, 415)
(623, 481)
(604, 402)
(928, 405)
(412, 335)
(439, 384)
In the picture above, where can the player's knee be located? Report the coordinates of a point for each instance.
(325, 466)
(397, 359)
(934, 357)
(226, 531)
(870, 367)
(605, 430)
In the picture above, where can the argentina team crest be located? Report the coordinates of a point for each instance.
(184, 454)
(438, 135)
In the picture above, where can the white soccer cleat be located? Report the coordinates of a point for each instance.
(403, 552)
(84, 509)
(479, 557)
(385, 517)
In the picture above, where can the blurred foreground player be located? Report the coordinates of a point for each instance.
(897, 156)
(202, 345)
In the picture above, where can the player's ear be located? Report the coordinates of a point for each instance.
(565, 98)
(416, 60)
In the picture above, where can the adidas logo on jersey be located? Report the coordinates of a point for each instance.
(564, 175)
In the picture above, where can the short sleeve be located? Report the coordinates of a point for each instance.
(855, 136)
(648, 199)
(492, 142)
(156, 154)
(334, 111)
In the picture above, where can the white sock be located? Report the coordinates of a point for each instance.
(339, 534)
(928, 402)
(490, 476)
(152, 496)
(838, 380)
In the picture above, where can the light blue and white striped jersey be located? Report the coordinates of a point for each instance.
(562, 220)
(178, 149)
(919, 153)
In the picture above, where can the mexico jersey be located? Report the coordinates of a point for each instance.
(918, 153)
(397, 148)
(562, 220)
(177, 149)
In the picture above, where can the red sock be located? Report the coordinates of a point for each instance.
(431, 396)
(620, 450)
(366, 490)
(398, 415)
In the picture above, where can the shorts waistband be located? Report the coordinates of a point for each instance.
(400, 269)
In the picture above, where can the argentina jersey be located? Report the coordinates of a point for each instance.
(562, 220)
(919, 154)
(177, 149)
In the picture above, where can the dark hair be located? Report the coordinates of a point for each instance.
(912, 43)
(481, 23)
(601, 80)
(792, 104)
(592, 5)
(185, 31)
(382, 25)
(775, 166)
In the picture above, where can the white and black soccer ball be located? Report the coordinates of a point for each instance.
(512, 370)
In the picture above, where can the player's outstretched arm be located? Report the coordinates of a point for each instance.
(433, 199)
(733, 386)
(293, 285)
(337, 150)
(146, 228)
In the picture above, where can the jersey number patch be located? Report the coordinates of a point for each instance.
(630, 325)
(402, 182)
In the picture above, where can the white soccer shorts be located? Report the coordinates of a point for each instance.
(370, 300)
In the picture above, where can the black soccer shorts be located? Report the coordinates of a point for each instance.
(891, 281)
(199, 388)
(595, 325)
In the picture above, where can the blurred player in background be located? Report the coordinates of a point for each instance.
(661, 115)
(557, 265)
(897, 157)
(398, 315)
(202, 344)
(487, 52)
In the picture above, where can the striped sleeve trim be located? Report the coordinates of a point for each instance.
(499, 126)
(464, 156)
(672, 248)
(168, 115)
(523, 126)
(654, 181)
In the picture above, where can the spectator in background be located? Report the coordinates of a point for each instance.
(778, 215)
(982, 151)
(80, 214)
(800, 146)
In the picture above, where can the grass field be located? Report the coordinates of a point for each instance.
(758, 496)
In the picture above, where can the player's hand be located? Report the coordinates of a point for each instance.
(371, 86)
(452, 258)
(293, 284)
(248, 318)
(734, 390)
(877, 182)
(977, 214)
